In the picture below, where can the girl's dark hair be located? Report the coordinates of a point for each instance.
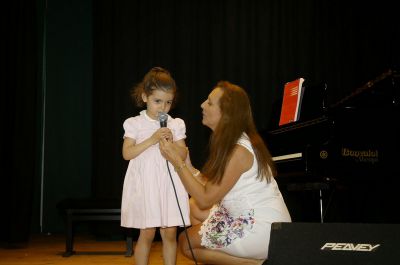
(156, 79)
(236, 119)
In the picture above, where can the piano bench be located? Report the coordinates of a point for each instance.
(90, 210)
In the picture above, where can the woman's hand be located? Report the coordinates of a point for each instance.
(170, 152)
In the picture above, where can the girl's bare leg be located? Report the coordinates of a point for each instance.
(168, 236)
(143, 246)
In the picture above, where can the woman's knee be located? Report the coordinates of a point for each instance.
(189, 239)
(183, 244)
(182, 241)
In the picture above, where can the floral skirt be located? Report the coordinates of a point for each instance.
(221, 228)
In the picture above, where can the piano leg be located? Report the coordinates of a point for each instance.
(316, 187)
(321, 205)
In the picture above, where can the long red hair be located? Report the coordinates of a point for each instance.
(236, 119)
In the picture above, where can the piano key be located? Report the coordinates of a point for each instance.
(287, 157)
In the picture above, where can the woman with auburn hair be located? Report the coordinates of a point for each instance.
(240, 195)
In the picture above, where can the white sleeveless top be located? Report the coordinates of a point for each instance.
(240, 223)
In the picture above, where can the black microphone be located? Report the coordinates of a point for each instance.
(163, 117)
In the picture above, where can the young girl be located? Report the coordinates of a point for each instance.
(149, 197)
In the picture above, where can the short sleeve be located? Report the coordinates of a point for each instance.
(130, 127)
(179, 129)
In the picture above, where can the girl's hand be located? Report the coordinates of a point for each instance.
(162, 133)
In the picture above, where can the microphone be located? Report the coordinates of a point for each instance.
(163, 117)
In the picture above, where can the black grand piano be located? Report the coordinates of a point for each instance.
(343, 156)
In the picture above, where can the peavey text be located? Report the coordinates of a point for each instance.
(350, 247)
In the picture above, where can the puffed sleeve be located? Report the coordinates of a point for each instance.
(130, 127)
(179, 129)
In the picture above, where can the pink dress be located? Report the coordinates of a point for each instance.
(148, 197)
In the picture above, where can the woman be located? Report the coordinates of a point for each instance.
(240, 191)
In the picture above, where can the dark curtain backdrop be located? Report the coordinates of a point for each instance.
(18, 110)
(27, 184)
(259, 45)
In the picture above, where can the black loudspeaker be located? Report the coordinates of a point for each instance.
(333, 244)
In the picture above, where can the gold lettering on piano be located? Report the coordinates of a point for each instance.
(363, 156)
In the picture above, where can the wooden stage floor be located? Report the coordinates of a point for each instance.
(48, 250)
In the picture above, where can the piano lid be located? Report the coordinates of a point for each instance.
(380, 91)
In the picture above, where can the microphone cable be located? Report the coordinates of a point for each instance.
(180, 211)
(163, 117)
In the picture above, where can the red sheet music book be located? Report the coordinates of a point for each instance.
(292, 95)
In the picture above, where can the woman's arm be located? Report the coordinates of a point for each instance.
(240, 162)
(210, 193)
(181, 148)
(195, 172)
